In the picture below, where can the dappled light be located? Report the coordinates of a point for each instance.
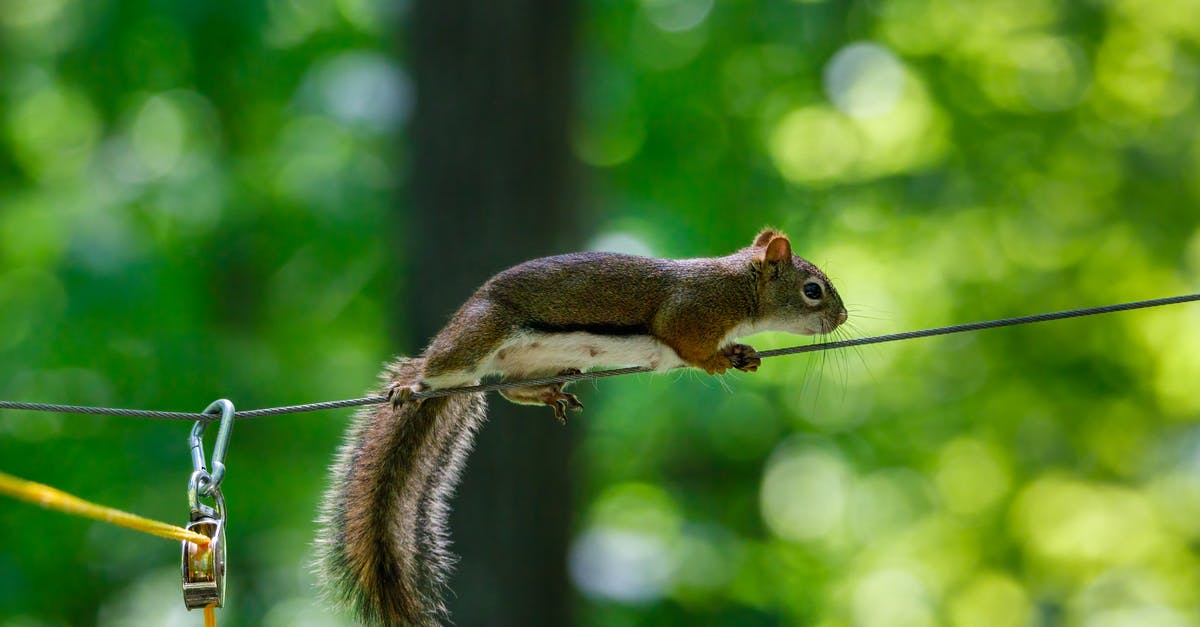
(201, 201)
(804, 493)
(944, 161)
(883, 124)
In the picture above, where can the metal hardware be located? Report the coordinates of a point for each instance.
(212, 481)
(203, 567)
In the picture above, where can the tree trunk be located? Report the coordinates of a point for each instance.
(489, 177)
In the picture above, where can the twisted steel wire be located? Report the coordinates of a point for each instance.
(599, 374)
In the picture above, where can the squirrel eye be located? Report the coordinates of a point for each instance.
(812, 290)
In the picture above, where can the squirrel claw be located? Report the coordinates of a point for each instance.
(400, 394)
(561, 402)
(742, 357)
(572, 402)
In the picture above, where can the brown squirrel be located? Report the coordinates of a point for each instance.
(382, 547)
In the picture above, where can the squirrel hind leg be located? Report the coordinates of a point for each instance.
(459, 355)
(551, 394)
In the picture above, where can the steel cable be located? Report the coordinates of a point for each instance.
(599, 374)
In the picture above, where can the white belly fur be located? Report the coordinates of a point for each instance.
(540, 353)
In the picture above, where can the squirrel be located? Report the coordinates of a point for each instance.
(382, 548)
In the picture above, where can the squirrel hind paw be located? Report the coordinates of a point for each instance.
(550, 394)
(400, 393)
(561, 402)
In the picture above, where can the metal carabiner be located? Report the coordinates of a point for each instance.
(212, 481)
(203, 567)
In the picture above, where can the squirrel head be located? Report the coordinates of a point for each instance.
(793, 294)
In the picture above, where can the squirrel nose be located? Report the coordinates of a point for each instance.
(841, 316)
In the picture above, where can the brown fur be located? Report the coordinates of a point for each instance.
(689, 304)
(383, 546)
(765, 236)
(383, 542)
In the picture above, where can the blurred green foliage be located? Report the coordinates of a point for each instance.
(190, 201)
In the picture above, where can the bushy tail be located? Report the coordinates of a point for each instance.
(382, 548)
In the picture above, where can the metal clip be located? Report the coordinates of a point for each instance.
(220, 447)
(203, 567)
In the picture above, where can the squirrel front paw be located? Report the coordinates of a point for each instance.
(742, 357)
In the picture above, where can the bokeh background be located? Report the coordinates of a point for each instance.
(266, 200)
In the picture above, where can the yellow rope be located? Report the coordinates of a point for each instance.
(210, 615)
(49, 497)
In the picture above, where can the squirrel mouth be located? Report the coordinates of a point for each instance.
(826, 326)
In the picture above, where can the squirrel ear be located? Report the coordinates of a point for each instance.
(778, 249)
(766, 236)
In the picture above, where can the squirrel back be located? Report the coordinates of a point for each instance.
(382, 548)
